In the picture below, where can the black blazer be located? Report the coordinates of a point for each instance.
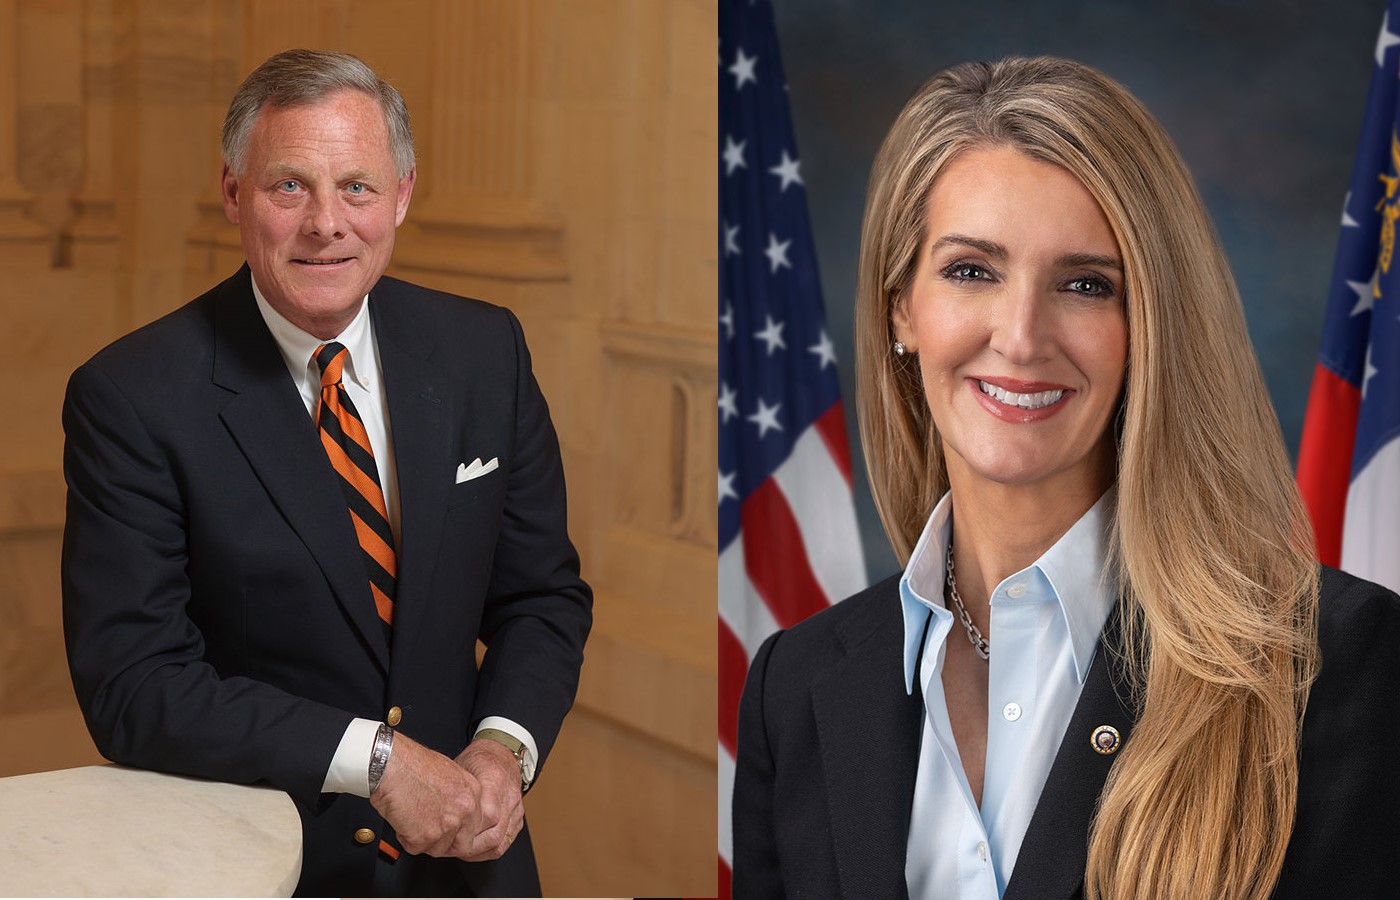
(829, 746)
(216, 611)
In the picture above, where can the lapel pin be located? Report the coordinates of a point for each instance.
(1105, 740)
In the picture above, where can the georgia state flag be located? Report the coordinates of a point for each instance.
(1349, 461)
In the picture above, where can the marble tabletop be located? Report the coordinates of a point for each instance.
(110, 831)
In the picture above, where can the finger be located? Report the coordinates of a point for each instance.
(459, 817)
(512, 805)
(443, 845)
(468, 841)
(490, 853)
(439, 840)
(466, 846)
(493, 811)
(469, 807)
(425, 843)
(491, 844)
(482, 847)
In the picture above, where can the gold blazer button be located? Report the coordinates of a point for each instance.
(1105, 740)
(395, 716)
(364, 836)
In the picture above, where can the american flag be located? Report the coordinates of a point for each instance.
(1349, 460)
(788, 540)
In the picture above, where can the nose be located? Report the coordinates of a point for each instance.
(1023, 330)
(324, 218)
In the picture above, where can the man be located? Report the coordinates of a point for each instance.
(297, 502)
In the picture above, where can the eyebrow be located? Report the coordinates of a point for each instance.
(1071, 260)
(998, 252)
(991, 248)
(285, 170)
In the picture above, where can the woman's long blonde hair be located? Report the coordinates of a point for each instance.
(1212, 546)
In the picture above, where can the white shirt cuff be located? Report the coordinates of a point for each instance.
(515, 730)
(349, 772)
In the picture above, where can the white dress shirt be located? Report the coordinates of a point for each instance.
(363, 378)
(1045, 624)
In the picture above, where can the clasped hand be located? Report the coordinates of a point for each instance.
(469, 807)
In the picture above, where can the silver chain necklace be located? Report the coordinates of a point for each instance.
(979, 643)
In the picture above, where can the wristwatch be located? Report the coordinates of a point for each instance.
(517, 749)
(379, 756)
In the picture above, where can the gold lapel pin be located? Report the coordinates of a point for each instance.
(1105, 740)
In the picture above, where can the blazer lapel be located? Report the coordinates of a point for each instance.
(868, 729)
(420, 412)
(1050, 865)
(270, 425)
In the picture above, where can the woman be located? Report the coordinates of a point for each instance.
(1110, 668)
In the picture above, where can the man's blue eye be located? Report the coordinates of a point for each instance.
(289, 185)
(356, 188)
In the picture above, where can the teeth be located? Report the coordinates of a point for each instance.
(1024, 401)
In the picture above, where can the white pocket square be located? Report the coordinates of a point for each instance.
(475, 470)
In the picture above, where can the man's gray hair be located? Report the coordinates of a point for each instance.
(302, 77)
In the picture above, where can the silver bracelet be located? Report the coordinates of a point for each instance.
(379, 756)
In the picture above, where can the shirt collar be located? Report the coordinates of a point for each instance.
(1076, 567)
(921, 586)
(297, 346)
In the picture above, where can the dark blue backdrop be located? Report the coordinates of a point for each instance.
(1264, 101)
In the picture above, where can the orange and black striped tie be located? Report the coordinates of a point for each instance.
(347, 443)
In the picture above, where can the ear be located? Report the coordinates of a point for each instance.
(902, 322)
(228, 189)
(405, 193)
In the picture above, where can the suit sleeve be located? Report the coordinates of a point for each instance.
(756, 872)
(538, 610)
(149, 696)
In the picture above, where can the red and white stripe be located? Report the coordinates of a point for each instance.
(1355, 520)
(798, 552)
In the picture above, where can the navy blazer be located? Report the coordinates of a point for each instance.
(829, 747)
(216, 611)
